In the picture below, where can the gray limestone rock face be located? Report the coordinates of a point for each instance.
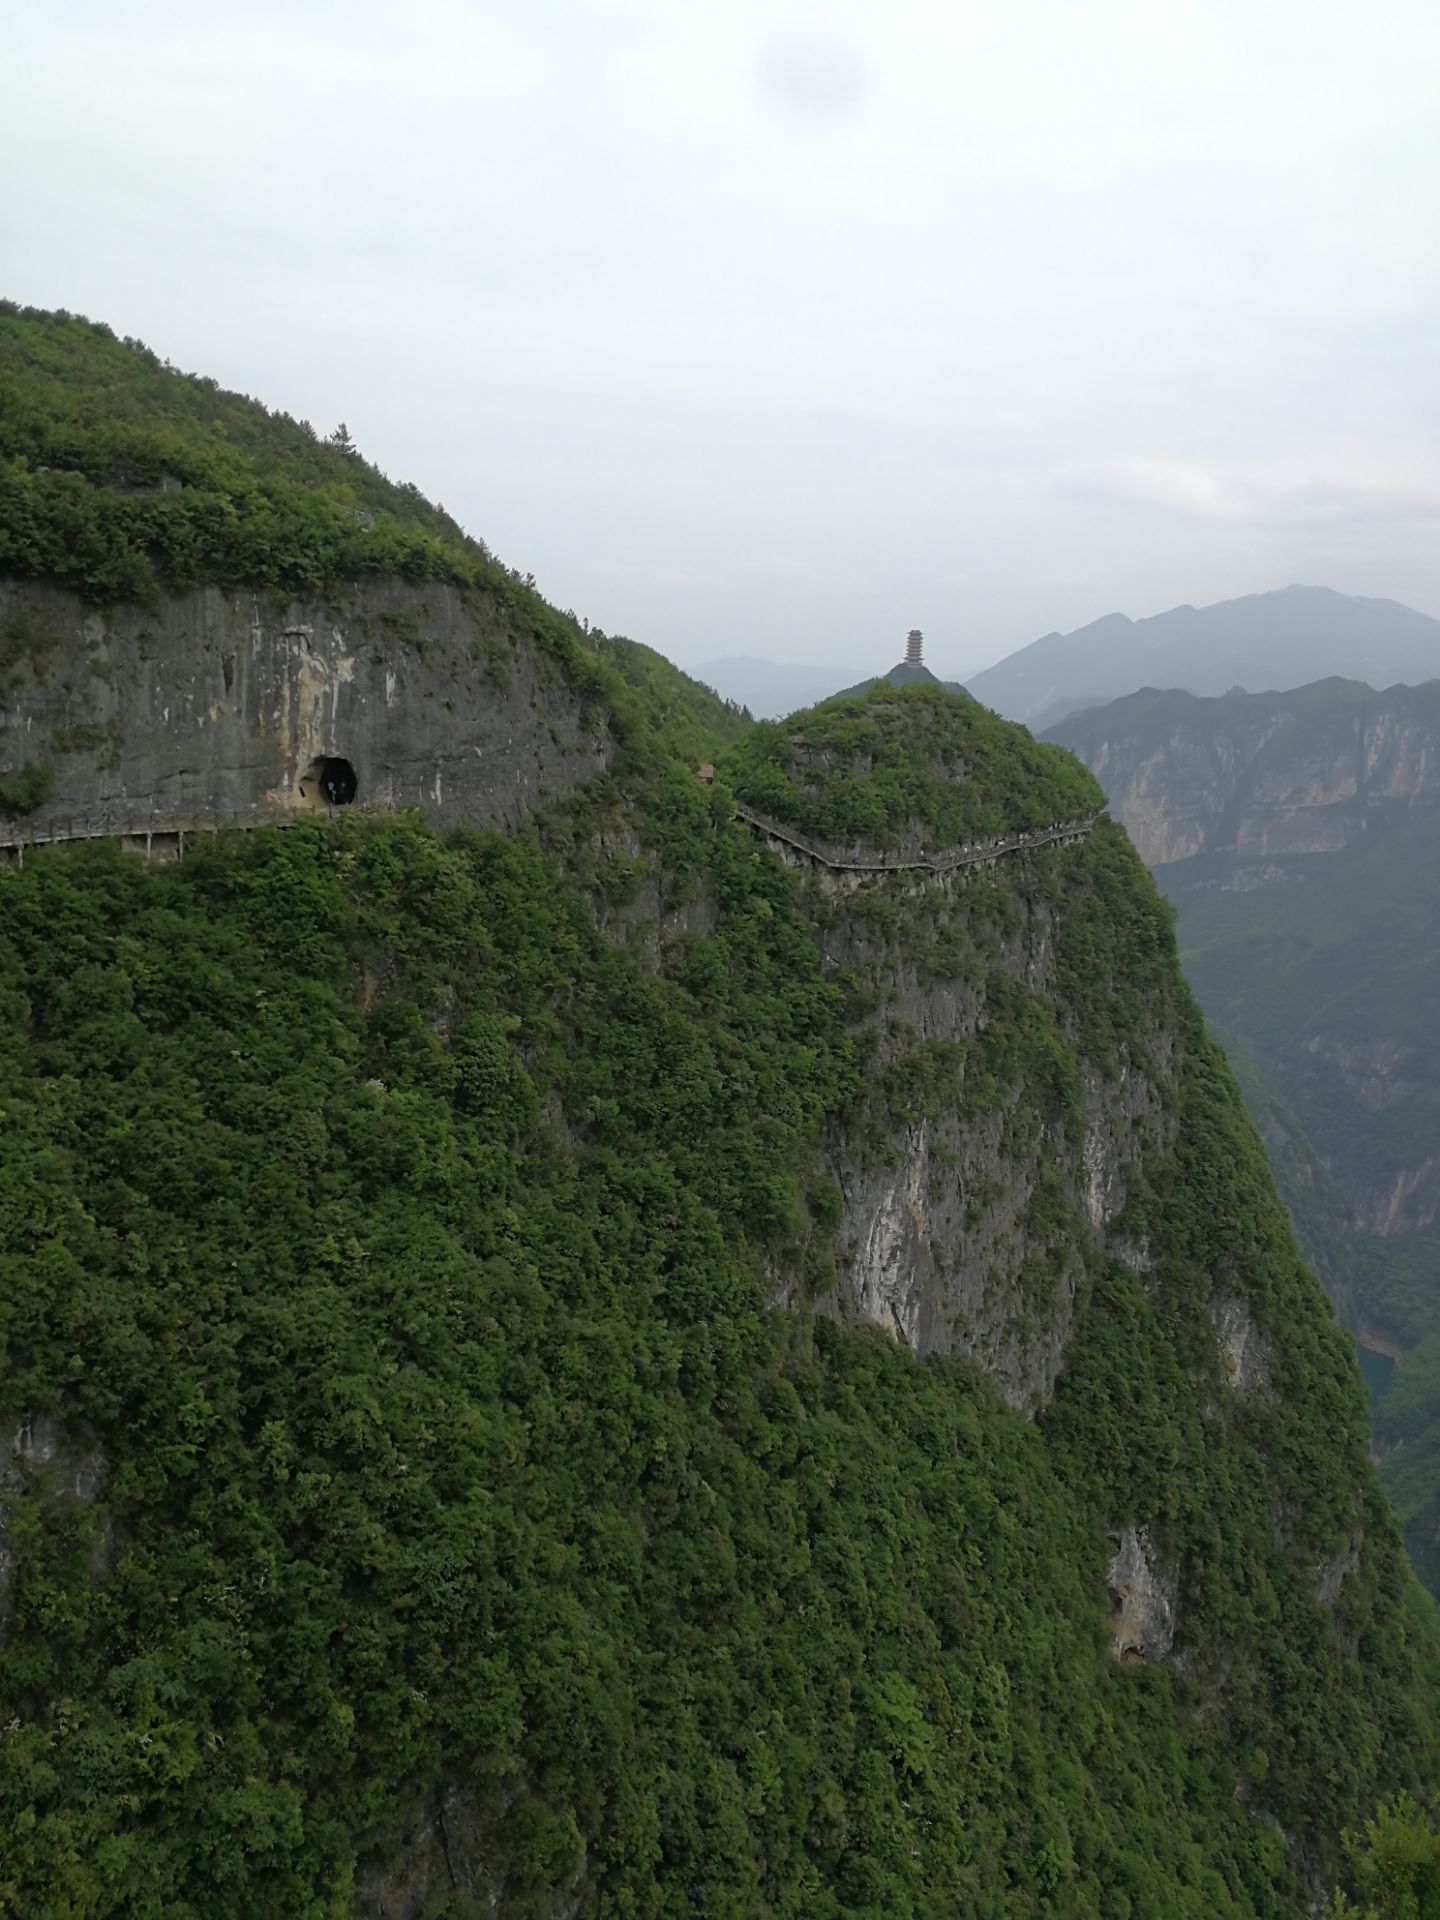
(1244, 1350)
(41, 1450)
(1263, 778)
(223, 708)
(936, 1244)
(933, 1252)
(1144, 1592)
(1337, 1569)
(1173, 793)
(426, 1870)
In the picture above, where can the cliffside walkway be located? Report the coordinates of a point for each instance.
(972, 853)
(163, 836)
(156, 835)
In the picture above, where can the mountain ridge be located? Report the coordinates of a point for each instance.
(1276, 640)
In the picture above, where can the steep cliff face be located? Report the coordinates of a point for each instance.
(1317, 808)
(221, 707)
(1260, 777)
(996, 1157)
(1031, 1119)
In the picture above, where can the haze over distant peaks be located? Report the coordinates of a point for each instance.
(1265, 640)
(1260, 642)
(770, 688)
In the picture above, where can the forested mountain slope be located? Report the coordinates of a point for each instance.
(582, 1370)
(1296, 834)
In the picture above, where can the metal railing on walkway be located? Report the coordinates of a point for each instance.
(150, 825)
(144, 828)
(971, 853)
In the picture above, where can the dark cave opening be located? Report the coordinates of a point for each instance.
(329, 781)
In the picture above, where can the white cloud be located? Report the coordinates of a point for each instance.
(1256, 495)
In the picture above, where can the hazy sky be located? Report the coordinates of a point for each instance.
(780, 328)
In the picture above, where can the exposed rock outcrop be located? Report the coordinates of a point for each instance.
(42, 1451)
(1144, 1592)
(1337, 1570)
(1322, 804)
(944, 1240)
(1259, 777)
(454, 1850)
(217, 707)
(1244, 1351)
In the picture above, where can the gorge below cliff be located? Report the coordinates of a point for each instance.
(1295, 835)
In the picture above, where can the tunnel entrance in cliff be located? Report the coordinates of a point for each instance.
(328, 781)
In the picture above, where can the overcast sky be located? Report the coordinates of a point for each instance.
(781, 328)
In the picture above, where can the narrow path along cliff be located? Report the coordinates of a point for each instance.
(972, 853)
(154, 834)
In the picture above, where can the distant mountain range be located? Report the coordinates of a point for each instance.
(1266, 640)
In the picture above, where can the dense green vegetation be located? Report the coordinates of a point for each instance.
(397, 1240)
(949, 771)
(29, 788)
(695, 720)
(1394, 1863)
